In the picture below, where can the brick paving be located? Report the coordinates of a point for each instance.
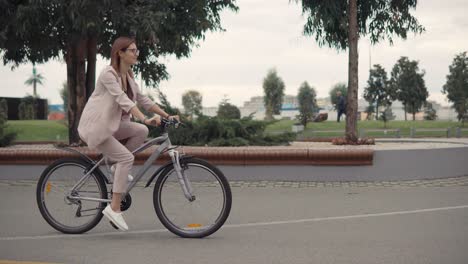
(446, 182)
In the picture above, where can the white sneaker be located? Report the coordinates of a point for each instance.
(112, 168)
(115, 218)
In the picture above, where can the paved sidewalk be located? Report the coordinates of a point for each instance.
(446, 182)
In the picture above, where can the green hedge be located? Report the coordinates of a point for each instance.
(213, 131)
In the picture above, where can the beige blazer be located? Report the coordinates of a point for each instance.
(103, 111)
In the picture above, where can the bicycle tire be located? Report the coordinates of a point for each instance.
(165, 219)
(41, 191)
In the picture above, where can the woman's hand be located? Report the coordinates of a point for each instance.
(176, 117)
(154, 121)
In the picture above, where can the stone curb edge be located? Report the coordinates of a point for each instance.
(218, 155)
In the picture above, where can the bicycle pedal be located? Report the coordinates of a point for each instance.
(113, 225)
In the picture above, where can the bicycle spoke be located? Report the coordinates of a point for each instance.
(63, 213)
(199, 217)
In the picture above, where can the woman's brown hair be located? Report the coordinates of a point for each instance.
(120, 44)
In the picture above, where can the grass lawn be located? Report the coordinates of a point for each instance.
(38, 130)
(404, 126)
(44, 130)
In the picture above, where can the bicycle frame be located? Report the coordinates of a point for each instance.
(165, 145)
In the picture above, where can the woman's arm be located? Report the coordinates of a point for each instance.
(156, 109)
(140, 116)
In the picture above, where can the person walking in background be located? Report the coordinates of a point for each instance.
(341, 105)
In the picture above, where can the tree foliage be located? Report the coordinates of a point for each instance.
(327, 21)
(227, 110)
(408, 82)
(64, 96)
(213, 131)
(378, 90)
(387, 115)
(456, 86)
(78, 30)
(27, 108)
(166, 105)
(430, 113)
(5, 138)
(370, 110)
(192, 102)
(273, 88)
(306, 98)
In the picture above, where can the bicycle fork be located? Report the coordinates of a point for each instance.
(183, 179)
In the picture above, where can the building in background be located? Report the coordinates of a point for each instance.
(290, 109)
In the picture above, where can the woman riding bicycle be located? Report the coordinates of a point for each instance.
(106, 120)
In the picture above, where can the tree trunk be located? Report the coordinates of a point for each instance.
(414, 113)
(351, 108)
(404, 107)
(377, 111)
(34, 88)
(268, 113)
(76, 81)
(91, 66)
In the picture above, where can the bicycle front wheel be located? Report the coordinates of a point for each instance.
(55, 196)
(202, 216)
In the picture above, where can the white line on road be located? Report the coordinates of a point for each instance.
(241, 225)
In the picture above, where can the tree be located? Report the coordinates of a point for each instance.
(430, 113)
(408, 82)
(166, 104)
(3, 109)
(192, 102)
(387, 115)
(27, 109)
(273, 87)
(307, 103)
(339, 87)
(227, 110)
(36, 78)
(456, 87)
(77, 31)
(339, 24)
(5, 138)
(370, 110)
(64, 96)
(378, 90)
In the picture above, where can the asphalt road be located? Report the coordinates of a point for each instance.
(280, 223)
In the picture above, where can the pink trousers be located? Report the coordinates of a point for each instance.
(116, 152)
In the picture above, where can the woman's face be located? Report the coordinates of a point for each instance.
(129, 56)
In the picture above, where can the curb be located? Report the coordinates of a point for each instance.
(218, 155)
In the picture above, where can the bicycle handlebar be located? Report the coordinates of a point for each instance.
(165, 123)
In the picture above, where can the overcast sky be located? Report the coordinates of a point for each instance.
(267, 34)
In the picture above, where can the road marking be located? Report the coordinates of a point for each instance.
(319, 219)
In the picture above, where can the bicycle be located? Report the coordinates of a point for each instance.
(192, 198)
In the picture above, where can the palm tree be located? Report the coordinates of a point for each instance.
(34, 80)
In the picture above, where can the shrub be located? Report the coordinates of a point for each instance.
(213, 131)
(5, 138)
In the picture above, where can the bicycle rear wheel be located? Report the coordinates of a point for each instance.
(53, 196)
(201, 217)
